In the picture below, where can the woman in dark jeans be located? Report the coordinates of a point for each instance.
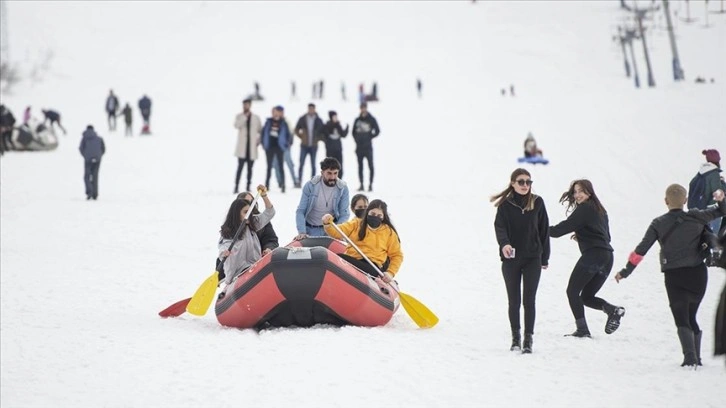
(521, 228)
(589, 223)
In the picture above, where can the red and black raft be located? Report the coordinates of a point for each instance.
(304, 284)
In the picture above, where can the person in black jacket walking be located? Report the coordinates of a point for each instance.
(521, 224)
(589, 222)
(332, 134)
(365, 128)
(92, 149)
(679, 234)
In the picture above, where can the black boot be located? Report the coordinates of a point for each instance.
(360, 188)
(697, 343)
(236, 189)
(688, 345)
(582, 330)
(516, 341)
(614, 314)
(370, 187)
(527, 346)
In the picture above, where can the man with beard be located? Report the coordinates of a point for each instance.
(324, 194)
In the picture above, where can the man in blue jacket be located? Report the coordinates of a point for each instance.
(275, 137)
(92, 149)
(323, 194)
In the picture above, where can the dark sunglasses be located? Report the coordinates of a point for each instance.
(522, 182)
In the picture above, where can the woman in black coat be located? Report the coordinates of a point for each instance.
(524, 249)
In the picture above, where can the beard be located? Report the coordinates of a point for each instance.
(329, 183)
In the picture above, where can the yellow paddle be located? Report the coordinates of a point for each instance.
(202, 298)
(419, 313)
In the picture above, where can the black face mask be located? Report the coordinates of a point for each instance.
(359, 212)
(374, 221)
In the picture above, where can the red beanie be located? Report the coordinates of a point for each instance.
(712, 156)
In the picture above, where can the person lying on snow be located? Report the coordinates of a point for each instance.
(247, 250)
(375, 235)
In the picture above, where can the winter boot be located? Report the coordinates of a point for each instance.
(516, 341)
(697, 343)
(688, 344)
(527, 346)
(582, 330)
(614, 315)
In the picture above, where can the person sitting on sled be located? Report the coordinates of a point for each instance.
(530, 147)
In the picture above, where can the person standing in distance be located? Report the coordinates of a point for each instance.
(92, 149)
(249, 128)
(365, 128)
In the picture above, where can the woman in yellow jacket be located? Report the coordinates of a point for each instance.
(375, 235)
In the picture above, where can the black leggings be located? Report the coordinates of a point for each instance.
(685, 288)
(368, 155)
(361, 264)
(240, 163)
(590, 273)
(516, 272)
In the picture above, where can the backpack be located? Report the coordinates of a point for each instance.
(697, 192)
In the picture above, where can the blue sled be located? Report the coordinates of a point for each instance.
(533, 160)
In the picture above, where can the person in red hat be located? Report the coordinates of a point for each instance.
(705, 183)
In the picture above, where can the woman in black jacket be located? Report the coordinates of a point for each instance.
(680, 235)
(589, 222)
(524, 249)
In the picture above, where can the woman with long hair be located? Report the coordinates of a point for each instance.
(588, 220)
(247, 250)
(375, 236)
(358, 205)
(521, 227)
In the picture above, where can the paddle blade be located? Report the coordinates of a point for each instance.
(420, 314)
(201, 300)
(175, 310)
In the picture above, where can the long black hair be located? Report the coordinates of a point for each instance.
(234, 219)
(568, 197)
(386, 219)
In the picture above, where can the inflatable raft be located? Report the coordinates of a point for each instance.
(304, 284)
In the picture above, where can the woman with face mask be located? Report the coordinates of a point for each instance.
(376, 237)
(358, 205)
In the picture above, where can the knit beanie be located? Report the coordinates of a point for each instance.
(712, 156)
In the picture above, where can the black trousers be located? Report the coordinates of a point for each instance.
(90, 177)
(590, 273)
(275, 151)
(367, 154)
(362, 265)
(686, 288)
(240, 163)
(522, 275)
(337, 153)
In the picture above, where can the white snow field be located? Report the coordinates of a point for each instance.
(82, 281)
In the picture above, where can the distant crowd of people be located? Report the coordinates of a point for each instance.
(276, 137)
